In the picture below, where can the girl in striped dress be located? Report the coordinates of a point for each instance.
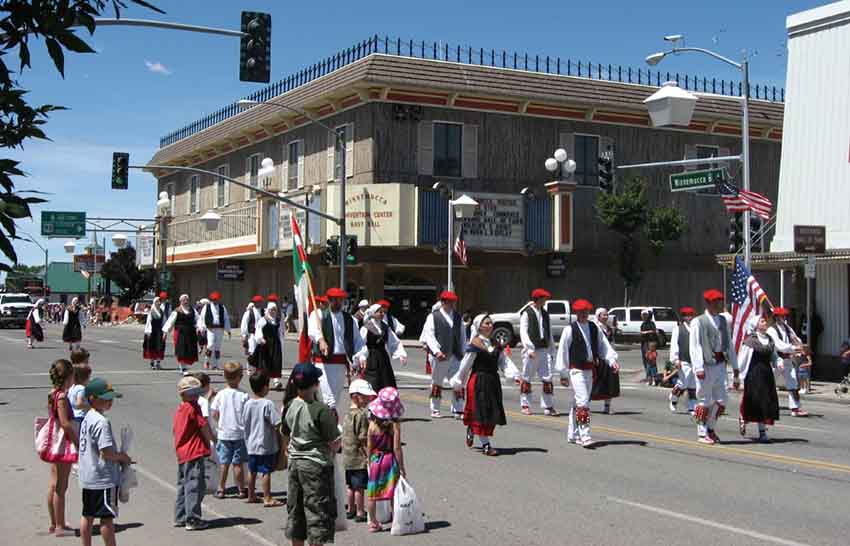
(386, 459)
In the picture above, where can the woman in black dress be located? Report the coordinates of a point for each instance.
(184, 321)
(33, 325)
(268, 345)
(484, 408)
(756, 360)
(153, 345)
(606, 383)
(72, 333)
(382, 342)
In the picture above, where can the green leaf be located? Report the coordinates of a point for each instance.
(87, 21)
(7, 248)
(4, 267)
(73, 42)
(24, 55)
(149, 6)
(55, 51)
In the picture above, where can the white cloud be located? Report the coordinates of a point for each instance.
(157, 68)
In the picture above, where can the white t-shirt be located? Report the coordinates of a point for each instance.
(229, 403)
(205, 406)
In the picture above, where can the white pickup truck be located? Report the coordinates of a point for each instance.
(629, 321)
(14, 309)
(506, 325)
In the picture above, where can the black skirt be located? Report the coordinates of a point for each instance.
(606, 383)
(379, 370)
(484, 405)
(760, 403)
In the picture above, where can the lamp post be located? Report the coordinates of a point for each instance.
(559, 164)
(462, 207)
(339, 144)
(163, 215)
(744, 67)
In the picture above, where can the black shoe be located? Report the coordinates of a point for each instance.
(470, 437)
(350, 515)
(361, 519)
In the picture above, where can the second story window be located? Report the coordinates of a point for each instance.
(253, 169)
(293, 171)
(587, 160)
(448, 149)
(194, 190)
(221, 187)
(172, 196)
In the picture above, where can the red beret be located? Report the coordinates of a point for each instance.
(448, 295)
(712, 295)
(163, 295)
(687, 311)
(780, 311)
(215, 296)
(336, 293)
(321, 299)
(272, 297)
(540, 293)
(582, 305)
(384, 303)
(257, 299)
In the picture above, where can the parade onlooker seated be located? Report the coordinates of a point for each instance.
(262, 438)
(226, 410)
(355, 430)
(192, 439)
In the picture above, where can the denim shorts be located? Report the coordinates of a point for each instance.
(231, 451)
(357, 480)
(262, 464)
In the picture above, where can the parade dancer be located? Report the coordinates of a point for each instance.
(582, 349)
(444, 336)
(339, 344)
(680, 356)
(268, 345)
(760, 403)
(711, 349)
(213, 323)
(184, 322)
(153, 346)
(538, 351)
(787, 344)
(383, 345)
(429, 358)
(72, 332)
(248, 325)
(484, 408)
(606, 385)
(33, 325)
(389, 319)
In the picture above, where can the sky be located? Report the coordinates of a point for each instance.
(144, 83)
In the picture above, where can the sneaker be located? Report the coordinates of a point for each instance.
(179, 524)
(572, 440)
(586, 442)
(458, 415)
(526, 410)
(804, 391)
(153, 366)
(799, 413)
(713, 435)
(350, 515)
(470, 437)
(197, 525)
(551, 412)
(672, 406)
(435, 414)
(606, 409)
(707, 440)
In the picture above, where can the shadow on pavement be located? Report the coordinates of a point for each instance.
(614, 412)
(754, 441)
(414, 420)
(232, 522)
(434, 525)
(518, 450)
(606, 443)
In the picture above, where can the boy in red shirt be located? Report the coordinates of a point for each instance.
(192, 439)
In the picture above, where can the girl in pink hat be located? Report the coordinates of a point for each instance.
(386, 459)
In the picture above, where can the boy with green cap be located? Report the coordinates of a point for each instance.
(100, 464)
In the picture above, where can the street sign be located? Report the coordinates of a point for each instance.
(63, 224)
(696, 180)
(811, 269)
(556, 264)
(90, 263)
(810, 239)
(230, 270)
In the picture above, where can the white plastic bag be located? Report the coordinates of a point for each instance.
(341, 523)
(211, 475)
(383, 511)
(129, 480)
(408, 518)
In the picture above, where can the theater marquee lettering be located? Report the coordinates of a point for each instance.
(498, 224)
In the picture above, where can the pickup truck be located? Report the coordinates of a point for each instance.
(506, 325)
(629, 321)
(14, 309)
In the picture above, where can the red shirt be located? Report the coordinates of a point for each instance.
(189, 443)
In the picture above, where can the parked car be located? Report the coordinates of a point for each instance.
(506, 325)
(629, 321)
(14, 309)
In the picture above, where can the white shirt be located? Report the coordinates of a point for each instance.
(527, 344)
(314, 330)
(243, 326)
(429, 333)
(217, 322)
(259, 337)
(204, 403)
(394, 345)
(784, 343)
(228, 404)
(603, 349)
(150, 318)
(675, 350)
(725, 339)
(506, 366)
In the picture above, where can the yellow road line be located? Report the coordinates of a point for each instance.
(691, 444)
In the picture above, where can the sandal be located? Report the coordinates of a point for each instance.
(273, 504)
(490, 451)
(375, 527)
(219, 494)
(243, 494)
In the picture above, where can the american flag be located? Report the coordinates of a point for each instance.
(739, 201)
(747, 298)
(460, 246)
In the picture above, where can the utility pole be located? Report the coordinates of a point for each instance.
(343, 240)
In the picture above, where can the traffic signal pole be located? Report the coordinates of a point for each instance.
(343, 241)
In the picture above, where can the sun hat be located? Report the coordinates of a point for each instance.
(361, 386)
(362, 304)
(188, 385)
(100, 388)
(387, 406)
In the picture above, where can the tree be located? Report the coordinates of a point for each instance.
(628, 213)
(23, 20)
(121, 269)
(17, 277)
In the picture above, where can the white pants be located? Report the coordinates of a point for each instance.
(582, 383)
(685, 381)
(332, 385)
(214, 338)
(711, 393)
(791, 383)
(441, 372)
(541, 366)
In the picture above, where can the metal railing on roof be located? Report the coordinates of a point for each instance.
(239, 222)
(499, 58)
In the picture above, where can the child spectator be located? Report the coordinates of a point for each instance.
(670, 374)
(192, 439)
(314, 437)
(652, 362)
(207, 393)
(100, 464)
(803, 363)
(262, 440)
(62, 378)
(386, 459)
(226, 410)
(77, 393)
(355, 430)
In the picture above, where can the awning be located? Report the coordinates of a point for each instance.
(785, 260)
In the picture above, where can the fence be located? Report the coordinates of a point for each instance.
(500, 58)
(240, 222)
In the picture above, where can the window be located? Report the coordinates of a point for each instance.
(448, 149)
(293, 165)
(634, 315)
(194, 183)
(221, 187)
(343, 134)
(619, 314)
(253, 169)
(664, 314)
(704, 152)
(556, 308)
(587, 160)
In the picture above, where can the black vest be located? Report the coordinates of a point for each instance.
(348, 334)
(252, 321)
(541, 341)
(578, 348)
(208, 316)
(684, 341)
(449, 338)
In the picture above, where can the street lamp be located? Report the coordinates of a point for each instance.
(163, 214)
(462, 207)
(119, 240)
(559, 163)
(211, 220)
(70, 247)
(744, 67)
(43, 249)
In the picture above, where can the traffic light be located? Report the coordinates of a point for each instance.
(351, 249)
(331, 255)
(120, 170)
(606, 171)
(255, 47)
(756, 236)
(736, 232)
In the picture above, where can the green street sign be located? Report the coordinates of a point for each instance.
(696, 180)
(63, 224)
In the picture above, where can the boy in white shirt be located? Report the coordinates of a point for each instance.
(226, 409)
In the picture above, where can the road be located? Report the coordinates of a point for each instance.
(647, 482)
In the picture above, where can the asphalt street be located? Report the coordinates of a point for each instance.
(647, 481)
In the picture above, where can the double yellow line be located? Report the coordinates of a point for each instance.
(691, 444)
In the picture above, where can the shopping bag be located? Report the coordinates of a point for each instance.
(129, 480)
(408, 518)
(40, 437)
(52, 445)
(211, 475)
(383, 511)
